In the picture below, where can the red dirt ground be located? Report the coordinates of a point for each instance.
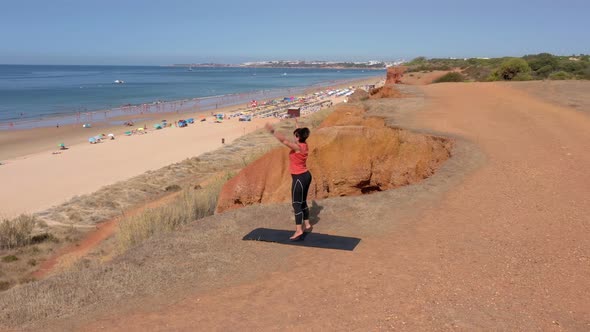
(507, 248)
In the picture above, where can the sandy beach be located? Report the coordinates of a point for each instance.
(35, 178)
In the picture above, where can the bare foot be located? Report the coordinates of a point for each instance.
(296, 235)
(307, 227)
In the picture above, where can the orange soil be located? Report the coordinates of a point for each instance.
(422, 78)
(506, 248)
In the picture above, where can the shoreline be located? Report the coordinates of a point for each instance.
(38, 176)
(19, 143)
(186, 105)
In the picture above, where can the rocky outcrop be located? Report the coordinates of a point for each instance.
(394, 74)
(358, 95)
(350, 154)
(386, 91)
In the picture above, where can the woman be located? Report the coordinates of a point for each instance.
(300, 175)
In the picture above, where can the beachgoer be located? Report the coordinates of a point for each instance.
(301, 177)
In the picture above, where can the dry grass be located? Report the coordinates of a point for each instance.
(24, 241)
(16, 232)
(192, 204)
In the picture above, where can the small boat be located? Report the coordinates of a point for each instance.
(284, 74)
(119, 82)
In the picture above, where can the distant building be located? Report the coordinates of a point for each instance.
(294, 112)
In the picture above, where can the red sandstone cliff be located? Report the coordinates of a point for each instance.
(350, 154)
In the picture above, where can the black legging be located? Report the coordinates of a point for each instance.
(299, 189)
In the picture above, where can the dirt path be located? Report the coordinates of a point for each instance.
(506, 249)
(70, 254)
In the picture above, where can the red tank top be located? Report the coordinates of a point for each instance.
(298, 160)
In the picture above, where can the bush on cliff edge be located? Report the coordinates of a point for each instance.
(511, 69)
(450, 77)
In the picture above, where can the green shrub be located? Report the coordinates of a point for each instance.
(4, 285)
(571, 66)
(560, 75)
(16, 232)
(478, 72)
(43, 237)
(9, 259)
(173, 187)
(450, 77)
(509, 69)
(544, 71)
(541, 60)
(523, 77)
(584, 74)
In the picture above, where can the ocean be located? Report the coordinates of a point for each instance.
(38, 94)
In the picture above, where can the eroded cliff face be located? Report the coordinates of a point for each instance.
(388, 90)
(350, 154)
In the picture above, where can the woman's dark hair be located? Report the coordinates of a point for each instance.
(302, 134)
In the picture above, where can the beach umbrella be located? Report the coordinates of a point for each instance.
(92, 140)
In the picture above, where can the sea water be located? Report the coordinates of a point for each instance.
(31, 93)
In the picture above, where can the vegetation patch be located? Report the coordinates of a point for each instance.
(4, 285)
(450, 77)
(9, 259)
(511, 69)
(16, 232)
(529, 67)
(189, 206)
(173, 188)
(560, 75)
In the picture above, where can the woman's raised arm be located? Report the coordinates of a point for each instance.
(281, 138)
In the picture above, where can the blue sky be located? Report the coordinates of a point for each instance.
(181, 31)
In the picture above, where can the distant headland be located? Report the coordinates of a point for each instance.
(378, 65)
